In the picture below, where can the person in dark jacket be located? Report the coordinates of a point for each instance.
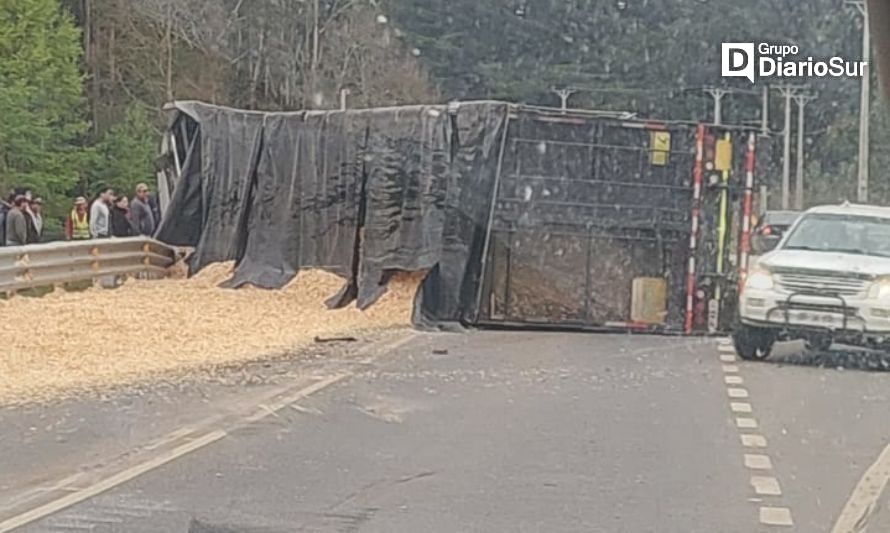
(5, 206)
(35, 217)
(153, 202)
(143, 217)
(17, 224)
(121, 224)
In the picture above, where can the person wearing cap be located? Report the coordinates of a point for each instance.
(140, 210)
(36, 220)
(16, 223)
(77, 225)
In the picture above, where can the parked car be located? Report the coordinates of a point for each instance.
(827, 280)
(770, 230)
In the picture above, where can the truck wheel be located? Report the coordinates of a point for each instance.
(753, 343)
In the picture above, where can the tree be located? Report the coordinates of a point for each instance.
(125, 154)
(41, 100)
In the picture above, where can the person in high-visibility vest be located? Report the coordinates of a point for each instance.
(77, 225)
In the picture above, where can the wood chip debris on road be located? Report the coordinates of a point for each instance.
(68, 342)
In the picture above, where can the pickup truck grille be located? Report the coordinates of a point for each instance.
(821, 284)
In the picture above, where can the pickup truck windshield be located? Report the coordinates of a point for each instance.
(859, 235)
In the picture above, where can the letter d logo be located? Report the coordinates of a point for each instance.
(737, 60)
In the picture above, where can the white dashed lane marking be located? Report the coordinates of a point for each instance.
(740, 407)
(753, 441)
(766, 488)
(737, 392)
(756, 461)
(776, 516)
(746, 423)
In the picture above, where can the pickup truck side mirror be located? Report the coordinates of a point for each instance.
(762, 244)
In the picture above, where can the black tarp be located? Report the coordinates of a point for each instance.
(581, 208)
(358, 193)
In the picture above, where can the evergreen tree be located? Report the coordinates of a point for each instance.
(125, 154)
(41, 99)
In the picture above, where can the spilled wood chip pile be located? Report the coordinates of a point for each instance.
(68, 342)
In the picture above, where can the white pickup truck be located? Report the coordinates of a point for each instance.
(827, 280)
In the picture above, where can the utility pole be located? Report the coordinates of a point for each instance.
(717, 94)
(864, 102)
(564, 95)
(764, 111)
(789, 92)
(802, 100)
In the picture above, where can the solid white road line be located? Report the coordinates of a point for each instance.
(740, 407)
(753, 441)
(746, 423)
(766, 486)
(109, 482)
(733, 380)
(737, 392)
(776, 516)
(270, 409)
(865, 496)
(756, 461)
(77, 495)
(81, 494)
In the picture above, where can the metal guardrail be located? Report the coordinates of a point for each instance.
(38, 265)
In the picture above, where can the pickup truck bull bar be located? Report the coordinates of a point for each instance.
(787, 306)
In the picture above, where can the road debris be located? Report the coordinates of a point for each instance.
(68, 342)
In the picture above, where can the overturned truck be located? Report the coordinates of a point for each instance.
(523, 216)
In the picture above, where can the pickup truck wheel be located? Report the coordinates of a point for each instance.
(753, 343)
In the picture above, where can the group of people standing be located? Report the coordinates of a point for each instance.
(113, 216)
(21, 218)
(21, 215)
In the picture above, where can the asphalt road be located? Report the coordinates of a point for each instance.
(507, 431)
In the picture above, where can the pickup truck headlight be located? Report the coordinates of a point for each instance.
(880, 289)
(760, 279)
